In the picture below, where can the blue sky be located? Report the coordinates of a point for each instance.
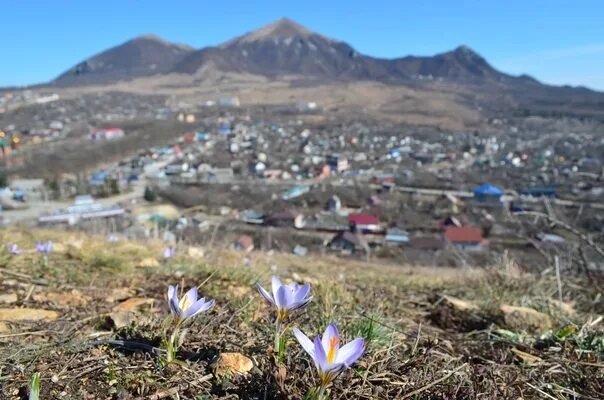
(560, 42)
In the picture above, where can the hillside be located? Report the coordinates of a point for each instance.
(291, 56)
(90, 322)
(142, 56)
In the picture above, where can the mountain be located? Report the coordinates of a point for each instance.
(143, 56)
(286, 48)
(286, 52)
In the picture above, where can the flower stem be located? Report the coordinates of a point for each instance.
(172, 347)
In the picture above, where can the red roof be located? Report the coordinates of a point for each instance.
(464, 234)
(363, 219)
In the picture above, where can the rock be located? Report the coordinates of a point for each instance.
(121, 319)
(459, 304)
(526, 319)
(27, 314)
(232, 364)
(565, 308)
(458, 315)
(239, 291)
(124, 313)
(73, 298)
(527, 358)
(119, 294)
(59, 248)
(8, 298)
(4, 328)
(133, 304)
(148, 262)
(195, 252)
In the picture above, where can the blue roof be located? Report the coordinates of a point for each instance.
(487, 190)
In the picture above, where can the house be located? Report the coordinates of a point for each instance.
(539, 191)
(334, 203)
(253, 217)
(243, 243)
(296, 191)
(337, 162)
(364, 222)
(550, 238)
(346, 242)
(465, 238)
(176, 168)
(396, 236)
(427, 243)
(450, 222)
(285, 219)
(107, 134)
(488, 193)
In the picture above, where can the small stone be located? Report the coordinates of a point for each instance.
(4, 328)
(148, 262)
(195, 252)
(524, 318)
(119, 294)
(8, 298)
(133, 304)
(75, 298)
(232, 364)
(27, 314)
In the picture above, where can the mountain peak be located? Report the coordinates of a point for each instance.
(281, 29)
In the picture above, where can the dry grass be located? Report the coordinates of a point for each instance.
(414, 351)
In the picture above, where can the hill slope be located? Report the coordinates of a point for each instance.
(142, 56)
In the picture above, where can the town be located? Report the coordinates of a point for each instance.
(297, 179)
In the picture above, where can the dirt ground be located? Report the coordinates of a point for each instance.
(91, 322)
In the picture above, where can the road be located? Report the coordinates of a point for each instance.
(35, 209)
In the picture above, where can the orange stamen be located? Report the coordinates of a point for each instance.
(333, 346)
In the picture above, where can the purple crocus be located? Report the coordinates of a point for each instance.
(188, 306)
(169, 252)
(329, 358)
(44, 248)
(286, 298)
(14, 249)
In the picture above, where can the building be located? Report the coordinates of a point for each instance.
(364, 223)
(107, 134)
(488, 193)
(465, 238)
(396, 236)
(345, 242)
(285, 219)
(337, 163)
(244, 243)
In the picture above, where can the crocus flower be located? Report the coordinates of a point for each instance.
(14, 249)
(169, 252)
(44, 248)
(329, 358)
(189, 305)
(286, 298)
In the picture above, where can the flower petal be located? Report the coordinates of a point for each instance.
(276, 284)
(330, 332)
(299, 304)
(351, 352)
(189, 298)
(305, 342)
(302, 292)
(265, 294)
(281, 298)
(320, 357)
(173, 300)
(195, 308)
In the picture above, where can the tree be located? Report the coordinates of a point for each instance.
(149, 195)
(3, 180)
